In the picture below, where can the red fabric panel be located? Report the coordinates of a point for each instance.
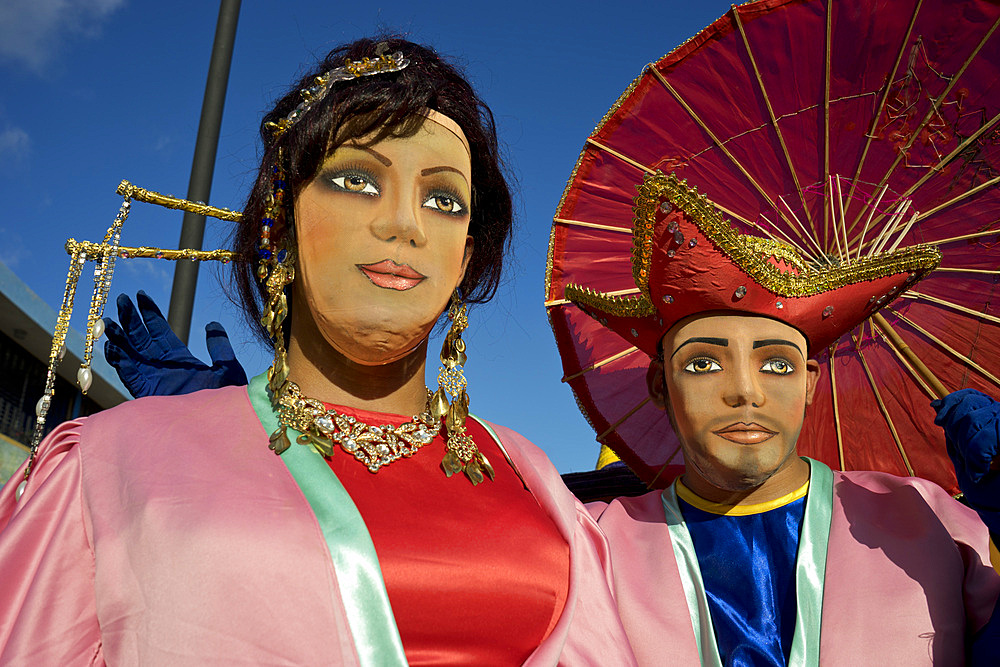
(475, 575)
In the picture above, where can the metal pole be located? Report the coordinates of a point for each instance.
(203, 166)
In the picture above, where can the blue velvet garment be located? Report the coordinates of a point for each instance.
(748, 567)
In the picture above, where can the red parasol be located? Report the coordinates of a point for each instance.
(843, 128)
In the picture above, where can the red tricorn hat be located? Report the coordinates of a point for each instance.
(687, 259)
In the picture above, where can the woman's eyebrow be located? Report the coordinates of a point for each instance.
(721, 342)
(374, 153)
(434, 170)
(775, 341)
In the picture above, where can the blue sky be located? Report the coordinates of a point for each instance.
(94, 91)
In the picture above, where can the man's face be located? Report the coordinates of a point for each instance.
(736, 387)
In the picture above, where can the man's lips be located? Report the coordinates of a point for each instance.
(745, 434)
(389, 275)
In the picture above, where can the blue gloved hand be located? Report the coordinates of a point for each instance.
(971, 423)
(152, 361)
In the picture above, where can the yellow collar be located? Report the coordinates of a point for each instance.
(689, 496)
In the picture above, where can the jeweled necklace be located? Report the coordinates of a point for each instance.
(322, 427)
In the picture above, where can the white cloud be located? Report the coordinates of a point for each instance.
(32, 31)
(14, 143)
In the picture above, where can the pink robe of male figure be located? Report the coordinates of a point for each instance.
(164, 532)
(908, 576)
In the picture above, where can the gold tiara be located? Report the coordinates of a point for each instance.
(351, 69)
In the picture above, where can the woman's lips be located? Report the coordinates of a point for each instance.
(745, 434)
(389, 275)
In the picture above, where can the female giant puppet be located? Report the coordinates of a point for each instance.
(168, 531)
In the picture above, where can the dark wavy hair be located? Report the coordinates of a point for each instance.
(382, 105)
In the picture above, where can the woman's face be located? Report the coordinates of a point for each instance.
(383, 240)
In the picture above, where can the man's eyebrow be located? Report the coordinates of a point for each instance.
(721, 342)
(775, 341)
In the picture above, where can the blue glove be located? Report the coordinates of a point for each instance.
(971, 423)
(152, 361)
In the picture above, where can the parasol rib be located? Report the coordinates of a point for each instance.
(899, 344)
(953, 352)
(881, 107)
(836, 411)
(965, 237)
(954, 306)
(885, 413)
(770, 113)
(958, 269)
(936, 104)
(663, 467)
(804, 230)
(874, 207)
(906, 364)
(828, 187)
(697, 119)
(621, 420)
(598, 364)
(964, 195)
(827, 64)
(623, 158)
(592, 225)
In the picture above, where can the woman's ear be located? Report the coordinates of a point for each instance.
(466, 258)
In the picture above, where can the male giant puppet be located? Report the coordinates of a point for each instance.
(757, 556)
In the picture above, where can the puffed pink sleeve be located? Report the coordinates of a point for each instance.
(48, 611)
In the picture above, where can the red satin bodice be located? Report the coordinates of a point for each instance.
(475, 575)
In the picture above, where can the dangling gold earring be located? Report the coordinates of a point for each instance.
(276, 267)
(461, 451)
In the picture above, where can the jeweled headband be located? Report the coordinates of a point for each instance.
(351, 69)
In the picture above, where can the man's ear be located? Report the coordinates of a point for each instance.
(812, 377)
(655, 383)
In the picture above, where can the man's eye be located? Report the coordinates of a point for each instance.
(778, 367)
(355, 183)
(702, 366)
(444, 203)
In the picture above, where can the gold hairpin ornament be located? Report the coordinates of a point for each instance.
(104, 255)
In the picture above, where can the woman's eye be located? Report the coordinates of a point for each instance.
(702, 366)
(355, 183)
(444, 203)
(778, 367)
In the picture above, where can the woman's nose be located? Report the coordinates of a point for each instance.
(401, 222)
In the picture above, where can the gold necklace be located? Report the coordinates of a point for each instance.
(374, 446)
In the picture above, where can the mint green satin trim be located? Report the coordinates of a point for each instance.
(810, 572)
(691, 581)
(355, 562)
(810, 565)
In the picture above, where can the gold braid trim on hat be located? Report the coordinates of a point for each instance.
(750, 253)
(622, 306)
